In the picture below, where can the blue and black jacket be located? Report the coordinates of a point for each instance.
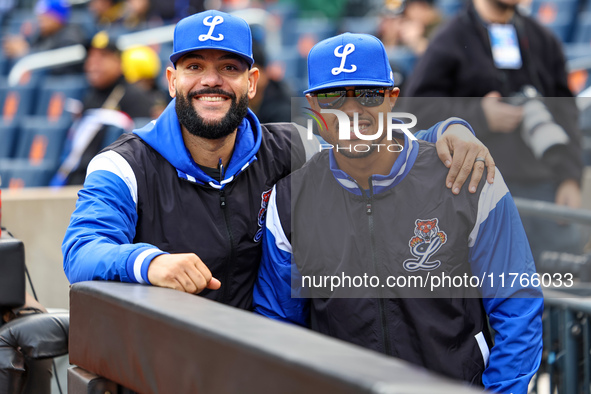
(330, 248)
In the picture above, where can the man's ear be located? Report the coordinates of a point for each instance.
(171, 77)
(312, 101)
(393, 94)
(253, 78)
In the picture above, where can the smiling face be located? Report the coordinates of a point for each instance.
(212, 88)
(368, 122)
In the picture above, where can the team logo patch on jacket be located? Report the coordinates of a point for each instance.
(426, 242)
(262, 214)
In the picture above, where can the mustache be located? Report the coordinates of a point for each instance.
(212, 91)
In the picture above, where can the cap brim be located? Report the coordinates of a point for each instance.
(349, 82)
(177, 55)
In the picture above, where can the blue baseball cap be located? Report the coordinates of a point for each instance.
(212, 30)
(60, 9)
(348, 60)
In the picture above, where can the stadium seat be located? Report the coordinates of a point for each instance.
(562, 28)
(21, 21)
(560, 16)
(449, 8)
(8, 135)
(16, 101)
(547, 11)
(576, 50)
(41, 141)
(4, 173)
(582, 30)
(578, 80)
(18, 173)
(5, 64)
(54, 93)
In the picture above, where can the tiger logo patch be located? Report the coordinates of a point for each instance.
(425, 243)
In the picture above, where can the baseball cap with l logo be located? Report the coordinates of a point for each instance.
(348, 60)
(212, 30)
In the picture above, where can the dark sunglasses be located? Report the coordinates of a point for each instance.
(366, 96)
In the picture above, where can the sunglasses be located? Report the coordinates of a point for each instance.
(366, 96)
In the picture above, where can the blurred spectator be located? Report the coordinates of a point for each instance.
(52, 31)
(410, 25)
(108, 86)
(141, 66)
(106, 12)
(111, 102)
(272, 102)
(535, 141)
(138, 15)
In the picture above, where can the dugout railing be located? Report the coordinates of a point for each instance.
(147, 339)
(566, 359)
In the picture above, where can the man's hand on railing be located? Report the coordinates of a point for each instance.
(184, 271)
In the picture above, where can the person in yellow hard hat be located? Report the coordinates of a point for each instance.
(141, 66)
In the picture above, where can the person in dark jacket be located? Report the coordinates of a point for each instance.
(108, 87)
(52, 31)
(110, 103)
(181, 202)
(525, 113)
(272, 102)
(363, 243)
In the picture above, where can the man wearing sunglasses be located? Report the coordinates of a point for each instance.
(360, 241)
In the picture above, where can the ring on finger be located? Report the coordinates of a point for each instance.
(479, 159)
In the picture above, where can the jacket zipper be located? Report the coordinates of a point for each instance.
(227, 269)
(381, 301)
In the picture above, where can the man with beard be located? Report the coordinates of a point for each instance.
(181, 202)
(367, 265)
(512, 72)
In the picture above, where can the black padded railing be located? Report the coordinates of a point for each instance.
(155, 340)
(548, 210)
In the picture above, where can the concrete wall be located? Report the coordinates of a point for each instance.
(39, 217)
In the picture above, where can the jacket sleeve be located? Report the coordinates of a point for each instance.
(436, 131)
(499, 249)
(98, 244)
(273, 296)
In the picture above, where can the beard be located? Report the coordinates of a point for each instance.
(197, 126)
